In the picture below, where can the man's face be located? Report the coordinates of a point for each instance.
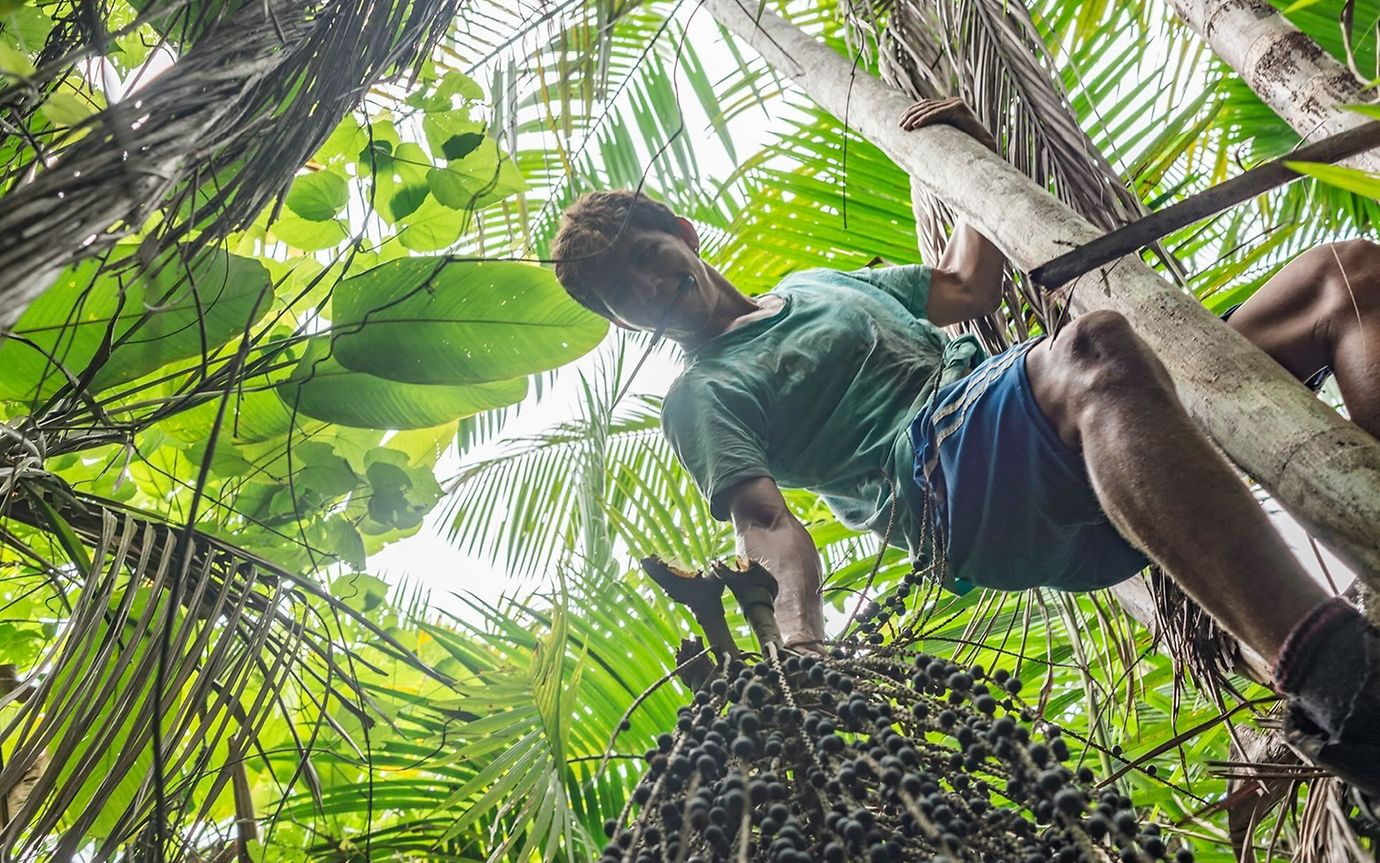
(643, 278)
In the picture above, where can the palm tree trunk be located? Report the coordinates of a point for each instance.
(1325, 470)
(1301, 82)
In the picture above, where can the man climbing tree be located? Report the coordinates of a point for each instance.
(1064, 462)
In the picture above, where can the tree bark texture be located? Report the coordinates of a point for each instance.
(1300, 81)
(1323, 469)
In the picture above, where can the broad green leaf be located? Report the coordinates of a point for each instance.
(461, 145)
(375, 155)
(458, 84)
(441, 129)
(424, 446)
(322, 389)
(250, 417)
(184, 310)
(345, 143)
(481, 178)
(14, 62)
(319, 469)
(129, 52)
(27, 28)
(360, 591)
(65, 108)
(318, 196)
(430, 321)
(20, 644)
(400, 494)
(344, 541)
(307, 235)
(442, 94)
(377, 144)
(401, 188)
(431, 227)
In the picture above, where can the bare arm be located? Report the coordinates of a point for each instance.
(966, 284)
(769, 533)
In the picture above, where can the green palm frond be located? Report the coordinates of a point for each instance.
(533, 505)
(1231, 130)
(816, 197)
(521, 507)
(542, 687)
(232, 640)
(599, 95)
(299, 721)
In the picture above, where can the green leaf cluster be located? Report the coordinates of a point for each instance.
(416, 176)
(315, 392)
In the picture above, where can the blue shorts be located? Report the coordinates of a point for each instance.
(1013, 505)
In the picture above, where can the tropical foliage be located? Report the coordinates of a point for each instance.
(267, 266)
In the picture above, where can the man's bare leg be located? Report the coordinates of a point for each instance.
(1163, 484)
(1168, 490)
(1323, 309)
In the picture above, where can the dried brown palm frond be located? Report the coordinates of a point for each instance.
(1326, 834)
(1262, 774)
(240, 642)
(210, 142)
(1197, 643)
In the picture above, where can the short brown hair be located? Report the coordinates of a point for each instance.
(591, 229)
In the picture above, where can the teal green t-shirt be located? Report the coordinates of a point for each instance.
(820, 395)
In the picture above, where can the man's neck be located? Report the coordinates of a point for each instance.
(765, 306)
(731, 305)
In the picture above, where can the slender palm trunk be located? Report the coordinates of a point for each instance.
(1301, 82)
(1325, 470)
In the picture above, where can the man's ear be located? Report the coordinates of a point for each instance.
(689, 234)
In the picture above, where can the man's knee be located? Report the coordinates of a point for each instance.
(1325, 278)
(1104, 353)
(1095, 362)
(1357, 254)
(1352, 276)
(1093, 336)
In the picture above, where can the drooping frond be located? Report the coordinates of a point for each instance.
(259, 87)
(176, 650)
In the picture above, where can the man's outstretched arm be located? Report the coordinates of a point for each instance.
(768, 532)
